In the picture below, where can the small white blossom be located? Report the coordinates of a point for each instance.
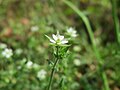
(72, 32)
(76, 48)
(41, 74)
(57, 39)
(3, 46)
(19, 67)
(34, 28)
(18, 51)
(29, 64)
(7, 53)
(77, 62)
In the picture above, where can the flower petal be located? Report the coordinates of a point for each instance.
(64, 41)
(70, 30)
(61, 37)
(52, 41)
(54, 37)
(74, 35)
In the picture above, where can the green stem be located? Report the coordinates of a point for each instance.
(106, 86)
(116, 21)
(91, 35)
(53, 69)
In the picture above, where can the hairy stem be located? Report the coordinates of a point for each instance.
(53, 69)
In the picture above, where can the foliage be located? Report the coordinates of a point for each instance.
(23, 26)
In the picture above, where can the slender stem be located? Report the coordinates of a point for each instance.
(91, 35)
(53, 69)
(105, 81)
(116, 21)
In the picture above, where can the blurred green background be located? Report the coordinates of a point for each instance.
(23, 26)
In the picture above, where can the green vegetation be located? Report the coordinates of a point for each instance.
(83, 55)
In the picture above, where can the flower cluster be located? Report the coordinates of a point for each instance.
(60, 39)
(7, 53)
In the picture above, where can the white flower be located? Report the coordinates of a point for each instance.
(72, 32)
(76, 48)
(34, 28)
(29, 64)
(18, 51)
(19, 67)
(3, 46)
(41, 74)
(77, 62)
(7, 53)
(57, 39)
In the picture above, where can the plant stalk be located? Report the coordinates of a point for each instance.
(53, 69)
(115, 19)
